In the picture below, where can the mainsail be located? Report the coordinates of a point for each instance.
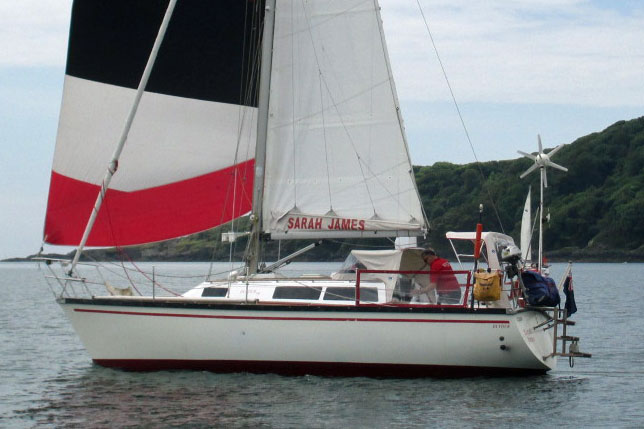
(337, 162)
(188, 162)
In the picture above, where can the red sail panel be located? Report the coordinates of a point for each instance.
(147, 215)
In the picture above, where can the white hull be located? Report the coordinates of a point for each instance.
(146, 334)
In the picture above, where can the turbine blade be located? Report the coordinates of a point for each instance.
(528, 155)
(557, 166)
(545, 178)
(555, 150)
(539, 140)
(528, 171)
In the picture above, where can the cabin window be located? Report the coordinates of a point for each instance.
(298, 292)
(214, 292)
(368, 294)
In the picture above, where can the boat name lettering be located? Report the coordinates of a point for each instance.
(304, 223)
(318, 223)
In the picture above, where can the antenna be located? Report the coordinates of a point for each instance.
(542, 162)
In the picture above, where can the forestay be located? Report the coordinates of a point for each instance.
(188, 162)
(337, 158)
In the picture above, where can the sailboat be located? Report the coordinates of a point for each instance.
(193, 114)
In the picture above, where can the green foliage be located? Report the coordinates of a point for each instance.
(598, 204)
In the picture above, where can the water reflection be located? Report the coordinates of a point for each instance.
(99, 397)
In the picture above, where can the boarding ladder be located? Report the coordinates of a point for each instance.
(559, 322)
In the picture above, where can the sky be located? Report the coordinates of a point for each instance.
(517, 68)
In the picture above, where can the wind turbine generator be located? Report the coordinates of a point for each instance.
(542, 161)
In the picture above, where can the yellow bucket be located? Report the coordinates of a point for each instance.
(487, 286)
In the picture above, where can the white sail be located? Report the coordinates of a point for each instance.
(337, 159)
(526, 229)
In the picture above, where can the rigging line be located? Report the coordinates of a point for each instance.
(401, 122)
(293, 98)
(323, 80)
(120, 251)
(534, 228)
(372, 73)
(346, 99)
(326, 144)
(358, 245)
(147, 277)
(361, 163)
(458, 110)
(104, 265)
(240, 126)
(223, 212)
(326, 149)
(259, 27)
(123, 254)
(235, 175)
(125, 269)
(245, 100)
(126, 276)
(248, 76)
(243, 57)
(139, 270)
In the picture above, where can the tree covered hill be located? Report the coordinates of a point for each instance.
(596, 208)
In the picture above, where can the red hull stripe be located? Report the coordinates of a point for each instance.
(351, 369)
(320, 319)
(147, 215)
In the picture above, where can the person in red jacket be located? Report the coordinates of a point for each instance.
(441, 279)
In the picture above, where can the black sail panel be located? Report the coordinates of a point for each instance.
(209, 52)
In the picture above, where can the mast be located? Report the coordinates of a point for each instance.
(113, 164)
(540, 261)
(252, 257)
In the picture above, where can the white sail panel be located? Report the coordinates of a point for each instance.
(172, 138)
(526, 229)
(337, 159)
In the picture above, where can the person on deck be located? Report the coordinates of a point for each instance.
(441, 279)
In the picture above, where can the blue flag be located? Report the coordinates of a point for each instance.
(570, 306)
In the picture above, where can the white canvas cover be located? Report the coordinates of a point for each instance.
(494, 242)
(386, 260)
(337, 160)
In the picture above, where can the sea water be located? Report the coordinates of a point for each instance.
(48, 379)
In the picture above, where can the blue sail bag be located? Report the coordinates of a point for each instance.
(541, 291)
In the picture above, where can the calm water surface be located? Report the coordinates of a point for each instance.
(47, 378)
